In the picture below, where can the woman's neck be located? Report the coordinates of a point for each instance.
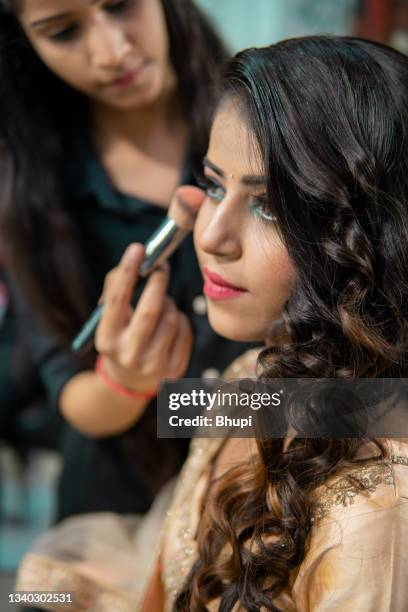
(141, 127)
(153, 140)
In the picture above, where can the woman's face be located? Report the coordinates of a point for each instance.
(247, 271)
(113, 51)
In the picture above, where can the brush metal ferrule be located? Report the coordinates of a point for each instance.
(161, 245)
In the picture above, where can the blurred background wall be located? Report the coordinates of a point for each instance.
(246, 23)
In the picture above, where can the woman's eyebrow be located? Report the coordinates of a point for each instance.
(249, 180)
(216, 169)
(46, 20)
(42, 22)
(253, 180)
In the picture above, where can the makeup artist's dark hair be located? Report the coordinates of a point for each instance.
(41, 121)
(329, 116)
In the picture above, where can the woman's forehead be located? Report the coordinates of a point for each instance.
(232, 145)
(57, 6)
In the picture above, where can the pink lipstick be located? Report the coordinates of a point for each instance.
(217, 288)
(129, 78)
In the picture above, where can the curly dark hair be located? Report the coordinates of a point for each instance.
(329, 115)
(41, 122)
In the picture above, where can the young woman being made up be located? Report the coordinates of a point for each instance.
(306, 218)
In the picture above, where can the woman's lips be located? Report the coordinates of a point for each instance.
(217, 288)
(129, 78)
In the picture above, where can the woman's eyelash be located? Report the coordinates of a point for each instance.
(118, 6)
(215, 191)
(261, 208)
(67, 33)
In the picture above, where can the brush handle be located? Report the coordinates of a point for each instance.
(87, 330)
(163, 242)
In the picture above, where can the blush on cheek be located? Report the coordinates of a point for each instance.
(286, 267)
(281, 267)
(280, 282)
(202, 221)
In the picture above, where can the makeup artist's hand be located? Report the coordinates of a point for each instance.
(147, 343)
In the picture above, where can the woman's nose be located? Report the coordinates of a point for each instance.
(108, 44)
(222, 232)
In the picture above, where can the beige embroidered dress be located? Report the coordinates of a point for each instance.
(357, 553)
(356, 560)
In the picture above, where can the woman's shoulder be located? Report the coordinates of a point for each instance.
(371, 486)
(355, 556)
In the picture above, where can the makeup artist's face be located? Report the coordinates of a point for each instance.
(247, 271)
(113, 51)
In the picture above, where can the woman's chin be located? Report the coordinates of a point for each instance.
(239, 331)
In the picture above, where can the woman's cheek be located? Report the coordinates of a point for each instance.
(279, 255)
(203, 219)
(285, 272)
(287, 267)
(276, 270)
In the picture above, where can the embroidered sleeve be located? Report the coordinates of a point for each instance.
(363, 481)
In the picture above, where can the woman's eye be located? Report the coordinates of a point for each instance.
(261, 209)
(117, 6)
(214, 190)
(66, 34)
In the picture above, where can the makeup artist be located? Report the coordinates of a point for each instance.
(103, 112)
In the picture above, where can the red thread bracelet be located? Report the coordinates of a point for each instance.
(117, 387)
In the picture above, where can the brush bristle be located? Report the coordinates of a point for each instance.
(185, 205)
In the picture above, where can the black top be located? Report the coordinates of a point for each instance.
(121, 473)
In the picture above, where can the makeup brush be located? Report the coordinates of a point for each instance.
(162, 243)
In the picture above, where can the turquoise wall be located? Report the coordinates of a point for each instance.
(246, 23)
